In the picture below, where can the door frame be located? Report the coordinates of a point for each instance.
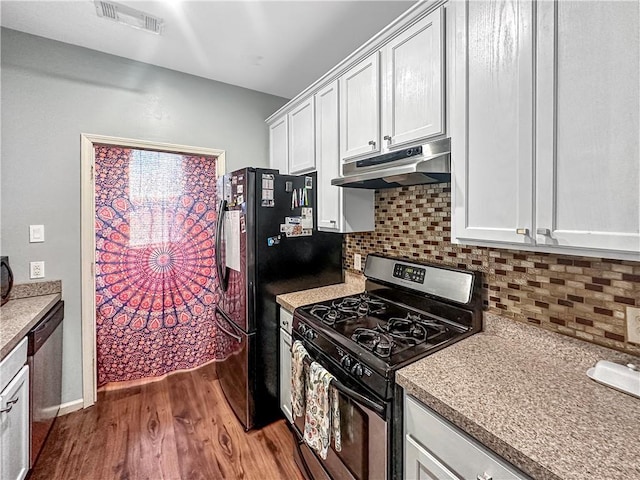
(88, 239)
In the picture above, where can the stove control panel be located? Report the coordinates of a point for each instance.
(341, 360)
(307, 332)
(408, 272)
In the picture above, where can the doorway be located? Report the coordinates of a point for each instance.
(141, 230)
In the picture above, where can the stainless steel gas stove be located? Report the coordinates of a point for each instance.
(409, 310)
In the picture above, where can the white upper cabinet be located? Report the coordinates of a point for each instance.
(339, 209)
(404, 94)
(413, 78)
(492, 120)
(360, 109)
(278, 145)
(569, 113)
(588, 160)
(302, 153)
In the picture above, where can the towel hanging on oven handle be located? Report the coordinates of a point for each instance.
(352, 394)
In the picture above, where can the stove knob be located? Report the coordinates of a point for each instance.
(302, 329)
(346, 362)
(357, 370)
(310, 334)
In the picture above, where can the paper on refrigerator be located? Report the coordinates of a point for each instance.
(232, 239)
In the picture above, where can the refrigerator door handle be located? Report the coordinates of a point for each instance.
(236, 337)
(222, 270)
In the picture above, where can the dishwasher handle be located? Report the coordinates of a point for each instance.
(43, 329)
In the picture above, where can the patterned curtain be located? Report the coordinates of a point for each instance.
(155, 272)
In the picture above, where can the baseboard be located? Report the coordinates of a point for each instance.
(71, 406)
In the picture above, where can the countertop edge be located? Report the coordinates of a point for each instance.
(10, 345)
(490, 441)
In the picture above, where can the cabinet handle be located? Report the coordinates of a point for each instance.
(522, 231)
(484, 476)
(10, 404)
(388, 139)
(543, 231)
(372, 143)
(285, 323)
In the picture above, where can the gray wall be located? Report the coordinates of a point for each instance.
(51, 93)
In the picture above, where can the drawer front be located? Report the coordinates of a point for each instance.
(286, 320)
(456, 450)
(12, 363)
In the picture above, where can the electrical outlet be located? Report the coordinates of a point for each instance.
(633, 325)
(36, 269)
(357, 261)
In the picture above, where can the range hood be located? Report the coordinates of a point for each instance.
(428, 163)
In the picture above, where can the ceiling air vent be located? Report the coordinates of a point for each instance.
(129, 16)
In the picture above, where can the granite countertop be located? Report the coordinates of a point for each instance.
(524, 393)
(353, 284)
(20, 314)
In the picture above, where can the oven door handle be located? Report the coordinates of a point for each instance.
(353, 395)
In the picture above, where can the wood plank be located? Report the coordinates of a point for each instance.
(178, 428)
(158, 452)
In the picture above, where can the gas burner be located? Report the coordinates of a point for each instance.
(414, 328)
(326, 314)
(361, 305)
(406, 329)
(373, 340)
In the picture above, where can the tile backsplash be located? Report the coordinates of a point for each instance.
(581, 297)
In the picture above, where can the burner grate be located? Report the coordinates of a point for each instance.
(360, 305)
(373, 340)
(327, 315)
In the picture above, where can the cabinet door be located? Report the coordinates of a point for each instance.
(302, 138)
(14, 427)
(420, 464)
(492, 120)
(343, 210)
(327, 156)
(360, 109)
(412, 107)
(588, 157)
(285, 374)
(278, 147)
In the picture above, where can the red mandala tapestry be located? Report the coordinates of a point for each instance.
(155, 272)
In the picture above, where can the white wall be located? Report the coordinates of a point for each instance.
(51, 93)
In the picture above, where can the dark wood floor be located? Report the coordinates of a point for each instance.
(177, 428)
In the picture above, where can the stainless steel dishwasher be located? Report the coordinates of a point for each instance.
(45, 376)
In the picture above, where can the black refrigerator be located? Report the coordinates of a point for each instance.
(266, 244)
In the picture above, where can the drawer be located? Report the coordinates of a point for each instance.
(12, 363)
(286, 320)
(456, 451)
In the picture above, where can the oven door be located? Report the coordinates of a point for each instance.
(363, 429)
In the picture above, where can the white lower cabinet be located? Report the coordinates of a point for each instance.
(286, 319)
(14, 414)
(435, 449)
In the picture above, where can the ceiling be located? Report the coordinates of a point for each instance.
(274, 47)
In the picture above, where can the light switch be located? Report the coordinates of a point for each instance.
(36, 233)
